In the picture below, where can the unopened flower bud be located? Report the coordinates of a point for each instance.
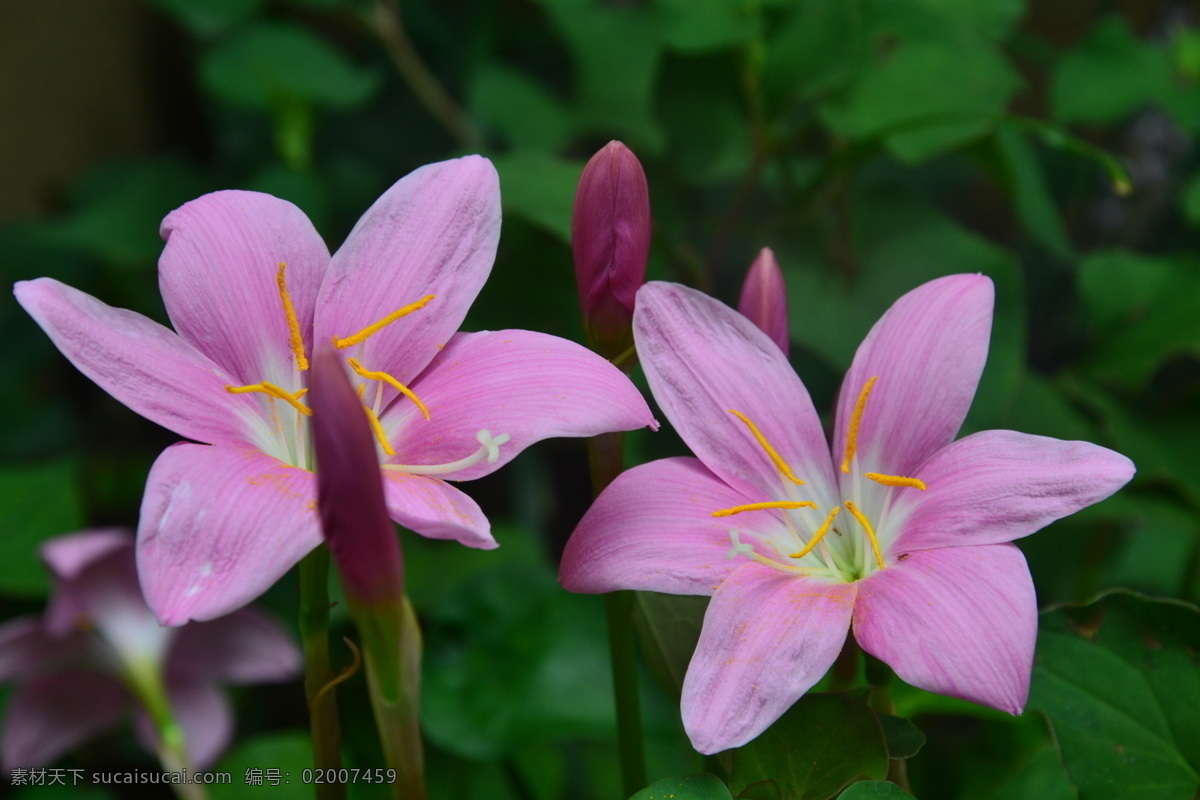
(764, 300)
(350, 499)
(610, 238)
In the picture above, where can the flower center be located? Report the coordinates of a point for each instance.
(802, 544)
(286, 437)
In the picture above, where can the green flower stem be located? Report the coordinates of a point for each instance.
(881, 701)
(392, 650)
(145, 681)
(605, 457)
(318, 674)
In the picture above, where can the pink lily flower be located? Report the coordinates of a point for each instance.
(903, 533)
(82, 667)
(250, 287)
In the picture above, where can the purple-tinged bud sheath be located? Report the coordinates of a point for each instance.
(610, 239)
(350, 500)
(764, 298)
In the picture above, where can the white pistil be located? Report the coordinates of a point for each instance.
(738, 546)
(489, 449)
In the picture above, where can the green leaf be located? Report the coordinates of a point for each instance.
(1109, 75)
(695, 26)
(871, 790)
(816, 49)
(821, 744)
(892, 99)
(616, 54)
(208, 17)
(511, 658)
(289, 753)
(36, 503)
(1031, 196)
(1149, 306)
(540, 189)
(688, 787)
(904, 739)
(266, 64)
(903, 244)
(518, 109)
(120, 206)
(1119, 682)
(1191, 201)
(668, 626)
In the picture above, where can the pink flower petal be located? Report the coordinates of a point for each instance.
(436, 510)
(245, 647)
(653, 529)
(69, 555)
(52, 715)
(199, 558)
(928, 352)
(958, 621)
(767, 638)
(206, 717)
(997, 486)
(218, 275)
(530, 386)
(434, 232)
(26, 651)
(140, 363)
(703, 359)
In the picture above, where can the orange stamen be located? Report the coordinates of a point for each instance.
(855, 422)
(819, 534)
(862, 520)
(780, 464)
(272, 390)
(292, 321)
(362, 335)
(395, 384)
(896, 480)
(378, 430)
(729, 512)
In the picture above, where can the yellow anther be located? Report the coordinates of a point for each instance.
(272, 390)
(395, 384)
(729, 512)
(362, 335)
(780, 464)
(819, 535)
(855, 421)
(378, 429)
(293, 323)
(896, 480)
(862, 520)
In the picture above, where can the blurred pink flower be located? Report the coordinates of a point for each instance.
(904, 532)
(80, 667)
(250, 287)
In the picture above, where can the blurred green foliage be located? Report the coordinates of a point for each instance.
(874, 144)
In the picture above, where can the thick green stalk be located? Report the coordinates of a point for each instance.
(605, 457)
(145, 680)
(392, 650)
(318, 674)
